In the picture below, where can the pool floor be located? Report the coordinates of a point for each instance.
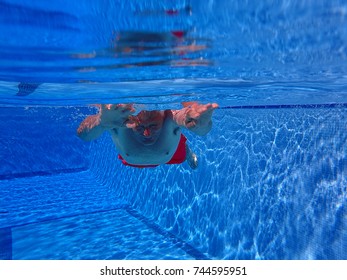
(70, 216)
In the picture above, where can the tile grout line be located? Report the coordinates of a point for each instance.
(190, 250)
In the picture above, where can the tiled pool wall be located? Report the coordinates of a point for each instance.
(40, 141)
(271, 183)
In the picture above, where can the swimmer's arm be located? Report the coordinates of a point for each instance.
(90, 128)
(109, 117)
(195, 117)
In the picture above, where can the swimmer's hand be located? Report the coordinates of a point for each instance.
(115, 115)
(196, 117)
(110, 116)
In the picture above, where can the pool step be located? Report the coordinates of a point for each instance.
(41, 198)
(71, 216)
(108, 235)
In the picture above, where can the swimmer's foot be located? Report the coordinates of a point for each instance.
(191, 158)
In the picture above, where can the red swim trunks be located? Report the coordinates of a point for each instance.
(178, 157)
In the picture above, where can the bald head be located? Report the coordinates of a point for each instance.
(147, 126)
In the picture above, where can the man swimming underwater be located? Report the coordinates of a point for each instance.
(149, 138)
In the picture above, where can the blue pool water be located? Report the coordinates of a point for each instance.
(271, 181)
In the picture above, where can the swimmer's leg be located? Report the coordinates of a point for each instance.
(191, 158)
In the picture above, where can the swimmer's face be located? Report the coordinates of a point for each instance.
(148, 127)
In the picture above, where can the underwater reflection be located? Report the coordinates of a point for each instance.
(139, 48)
(150, 138)
(25, 89)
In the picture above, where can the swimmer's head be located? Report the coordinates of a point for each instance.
(147, 126)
